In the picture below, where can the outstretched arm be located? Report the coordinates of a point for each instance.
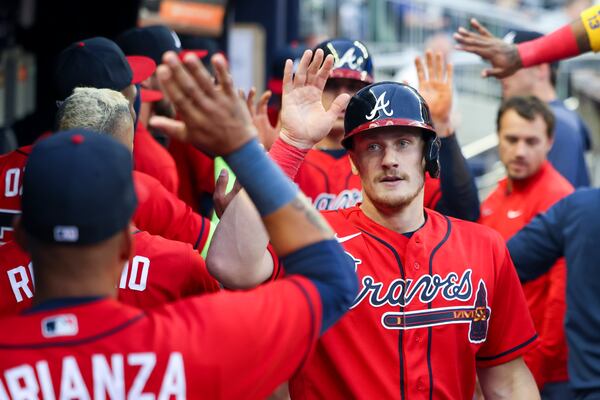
(304, 122)
(580, 36)
(458, 191)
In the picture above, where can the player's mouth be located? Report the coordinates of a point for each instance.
(391, 179)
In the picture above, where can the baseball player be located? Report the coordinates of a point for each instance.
(532, 185)
(160, 271)
(580, 36)
(326, 176)
(439, 300)
(88, 347)
(98, 62)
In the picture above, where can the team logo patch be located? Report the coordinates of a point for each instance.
(60, 325)
(476, 316)
(66, 233)
(380, 105)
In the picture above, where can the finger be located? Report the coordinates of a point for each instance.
(223, 75)
(250, 101)
(171, 127)
(480, 28)
(449, 75)
(200, 74)
(219, 195)
(171, 87)
(300, 76)
(429, 63)
(263, 103)
(287, 76)
(420, 70)
(338, 106)
(314, 66)
(438, 67)
(324, 71)
(495, 73)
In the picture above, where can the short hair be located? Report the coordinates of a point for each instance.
(528, 107)
(100, 110)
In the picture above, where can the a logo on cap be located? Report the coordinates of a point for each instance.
(380, 105)
(66, 233)
(349, 59)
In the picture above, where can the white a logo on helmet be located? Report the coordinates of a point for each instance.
(380, 105)
(349, 59)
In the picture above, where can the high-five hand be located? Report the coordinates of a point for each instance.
(304, 120)
(217, 121)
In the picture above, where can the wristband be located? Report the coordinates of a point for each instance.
(288, 157)
(590, 18)
(264, 182)
(553, 47)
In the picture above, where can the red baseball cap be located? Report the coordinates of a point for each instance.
(142, 67)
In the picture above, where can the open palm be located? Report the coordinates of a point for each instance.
(304, 120)
(435, 85)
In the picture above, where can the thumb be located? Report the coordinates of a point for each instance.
(338, 105)
(222, 181)
(494, 73)
(171, 127)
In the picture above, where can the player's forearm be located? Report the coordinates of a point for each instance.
(237, 256)
(459, 192)
(511, 380)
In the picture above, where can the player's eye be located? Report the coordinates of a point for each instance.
(373, 147)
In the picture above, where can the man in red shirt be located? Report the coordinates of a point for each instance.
(439, 300)
(532, 185)
(160, 271)
(78, 342)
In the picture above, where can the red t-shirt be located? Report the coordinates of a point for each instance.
(161, 271)
(153, 159)
(230, 345)
(331, 185)
(196, 172)
(430, 309)
(507, 212)
(159, 211)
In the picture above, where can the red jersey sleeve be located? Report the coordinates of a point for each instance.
(153, 159)
(162, 213)
(511, 333)
(280, 322)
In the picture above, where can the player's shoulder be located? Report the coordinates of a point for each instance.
(12, 254)
(155, 246)
(342, 221)
(555, 185)
(16, 158)
(472, 231)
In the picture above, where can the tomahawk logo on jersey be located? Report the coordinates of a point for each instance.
(162, 271)
(444, 297)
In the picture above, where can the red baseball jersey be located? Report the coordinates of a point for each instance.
(159, 211)
(230, 345)
(507, 212)
(153, 159)
(162, 271)
(430, 309)
(331, 185)
(11, 173)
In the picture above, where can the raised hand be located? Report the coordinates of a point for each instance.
(435, 85)
(267, 133)
(304, 121)
(503, 56)
(216, 120)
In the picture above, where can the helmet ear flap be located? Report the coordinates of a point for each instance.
(432, 156)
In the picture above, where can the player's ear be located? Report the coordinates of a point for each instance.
(19, 234)
(352, 166)
(127, 249)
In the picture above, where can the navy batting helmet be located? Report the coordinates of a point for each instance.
(351, 59)
(392, 104)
